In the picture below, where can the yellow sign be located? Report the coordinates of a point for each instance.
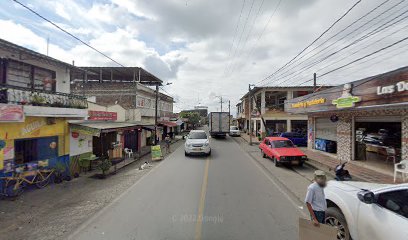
(32, 127)
(306, 104)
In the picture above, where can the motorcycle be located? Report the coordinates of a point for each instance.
(341, 173)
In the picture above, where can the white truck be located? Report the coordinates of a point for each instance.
(219, 124)
(367, 211)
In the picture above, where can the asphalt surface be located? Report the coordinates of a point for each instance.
(225, 196)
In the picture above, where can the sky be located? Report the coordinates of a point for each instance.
(213, 48)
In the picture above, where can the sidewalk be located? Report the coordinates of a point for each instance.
(359, 173)
(327, 163)
(246, 138)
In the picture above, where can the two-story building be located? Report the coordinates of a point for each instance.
(130, 88)
(35, 105)
(270, 101)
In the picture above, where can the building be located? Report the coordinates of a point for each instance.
(364, 120)
(271, 100)
(129, 88)
(35, 107)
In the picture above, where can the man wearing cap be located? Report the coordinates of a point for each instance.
(315, 199)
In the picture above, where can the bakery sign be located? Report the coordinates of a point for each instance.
(305, 104)
(395, 88)
(102, 115)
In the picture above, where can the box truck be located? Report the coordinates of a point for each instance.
(219, 124)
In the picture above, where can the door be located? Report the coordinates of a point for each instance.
(385, 219)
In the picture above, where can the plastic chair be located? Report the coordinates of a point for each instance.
(402, 168)
(391, 155)
(129, 152)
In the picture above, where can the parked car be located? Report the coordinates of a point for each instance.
(234, 131)
(298, 139)
(197, 143)
(367, 211)
(282, 151)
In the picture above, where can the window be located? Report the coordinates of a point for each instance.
(282, 144)
(28, 76)
(395, 201)
(198, 135)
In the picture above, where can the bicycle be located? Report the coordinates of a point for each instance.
(13, 186)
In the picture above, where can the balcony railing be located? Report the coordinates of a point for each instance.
(37, 97)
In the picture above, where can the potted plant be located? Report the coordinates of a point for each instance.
(104, 166)
(37, 100)
(59, 172)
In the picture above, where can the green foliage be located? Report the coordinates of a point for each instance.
(105, 165)
(193, 117)
(60, 167)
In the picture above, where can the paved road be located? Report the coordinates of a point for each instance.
(225, 196)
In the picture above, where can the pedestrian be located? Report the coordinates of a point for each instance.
(315, 198)
(167, 141)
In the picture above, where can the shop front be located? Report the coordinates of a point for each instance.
(366, 120)
(25, 143)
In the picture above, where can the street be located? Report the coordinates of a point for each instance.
(224, 196)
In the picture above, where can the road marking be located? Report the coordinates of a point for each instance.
(201, 205)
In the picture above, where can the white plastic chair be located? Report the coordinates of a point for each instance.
(391, 155)
(129, 152)
(402, 168)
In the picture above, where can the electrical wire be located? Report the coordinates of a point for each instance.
(314, 41)
(65, 31)
(235, 34)
(348, 36)
(366, 36)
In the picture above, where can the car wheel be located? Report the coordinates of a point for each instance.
(209, 154)
(335, 218)
(185, 154)
(263, 154)
(277, 163)
(301, 164)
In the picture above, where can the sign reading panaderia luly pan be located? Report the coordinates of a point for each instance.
(398, 87)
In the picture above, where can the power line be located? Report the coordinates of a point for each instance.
(235, 34)
(347, 35)
(366, 36)
(65, 31)
(243, 30)
(314, 41)
(359, 59)
(249, 33)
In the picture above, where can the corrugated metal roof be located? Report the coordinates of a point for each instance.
(108, 124)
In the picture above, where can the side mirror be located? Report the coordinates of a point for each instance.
(366, 196)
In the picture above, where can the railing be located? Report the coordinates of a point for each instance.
(38, 97)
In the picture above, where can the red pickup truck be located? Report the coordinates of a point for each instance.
(282, 151)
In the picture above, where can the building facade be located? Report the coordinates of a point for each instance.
(270, 101)
(35, 107)
(365, 120)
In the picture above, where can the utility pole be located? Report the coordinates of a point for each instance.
(229, 111)
(314, 82)
(155, 114)
(221, 103)
(250, 113)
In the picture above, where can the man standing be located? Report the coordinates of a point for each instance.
(167, 141)
(315, 199)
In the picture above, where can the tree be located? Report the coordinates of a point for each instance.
(193, 117)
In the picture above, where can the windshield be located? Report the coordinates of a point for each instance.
(197, 135)
(282, 144)
(234, 128)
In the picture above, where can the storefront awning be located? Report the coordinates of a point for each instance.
(96, 128)
(168, 123)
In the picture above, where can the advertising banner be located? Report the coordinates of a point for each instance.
(102, 115)
(11, 113)
(156, 153)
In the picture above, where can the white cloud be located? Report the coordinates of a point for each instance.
(189, 44)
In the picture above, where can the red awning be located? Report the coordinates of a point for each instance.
(168, 123)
